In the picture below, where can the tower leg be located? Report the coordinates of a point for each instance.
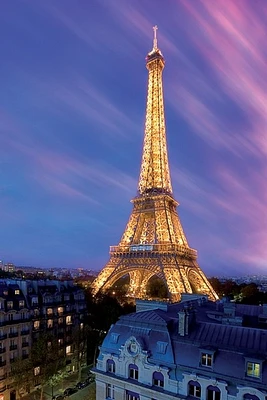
(102, 278)
(138, 283)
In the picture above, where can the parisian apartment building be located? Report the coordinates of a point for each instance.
(32, 308)
(194, 349)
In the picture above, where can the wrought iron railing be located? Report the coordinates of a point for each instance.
(159, 248)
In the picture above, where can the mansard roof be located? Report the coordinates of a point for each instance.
(213, 328)
(230, 337)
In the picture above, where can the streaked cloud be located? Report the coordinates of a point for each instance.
(72, 99)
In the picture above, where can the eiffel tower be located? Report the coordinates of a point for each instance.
(154, 242)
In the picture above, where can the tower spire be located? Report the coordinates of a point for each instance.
(155, 173)
(155, 41)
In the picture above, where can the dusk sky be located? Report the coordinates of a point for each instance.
(72, 108)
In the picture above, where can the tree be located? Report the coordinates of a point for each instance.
(46, 359)
(156, 288)
(217, 286)
(56, 379)
(79, 337)
(21, 376)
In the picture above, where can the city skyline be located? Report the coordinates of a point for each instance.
(72, 110)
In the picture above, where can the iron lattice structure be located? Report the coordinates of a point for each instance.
(153, 242)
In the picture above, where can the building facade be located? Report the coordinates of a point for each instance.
(30, 309)
(193, 349)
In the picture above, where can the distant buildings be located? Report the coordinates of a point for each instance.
(47, 273)
(27, 310)
(194, 349)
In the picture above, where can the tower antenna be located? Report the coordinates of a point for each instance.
(155, 41)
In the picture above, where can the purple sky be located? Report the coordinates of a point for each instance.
(72, 108)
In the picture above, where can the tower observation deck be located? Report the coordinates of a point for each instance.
(154, 242)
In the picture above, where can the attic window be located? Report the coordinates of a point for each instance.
(161, 347)
(253, 369)
(17, 291)
(114, 337)
(207, 356)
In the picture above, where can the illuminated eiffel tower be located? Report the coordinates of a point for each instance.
(153, 242)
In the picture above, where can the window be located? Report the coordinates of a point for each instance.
(131, 395)
(81, 326)
(35, 301)
(49, 311)
(114, 337)
(60, 342)
(60, 321)
(133, 371)
(213, 393)
(68, 319)
(10, 317)
(253, 369)
(194, 389)
(17, 291)
(36, 371)
(60, 310)
(47, 299)
(109, 391)
(68, 349)
(161, 347)
(50, 324)
(111, 366)
(158, 379)
(21, 303)
(36, 312)
(36, 324)
(24, 353)
(9, 305)
(206, 359)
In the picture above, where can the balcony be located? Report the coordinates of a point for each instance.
(3, 377)
(2, 350)
(13, 334)
(2, 388)
(25, 344)
(2, 363)
(2, 337)
(13, 347)
(138, 250)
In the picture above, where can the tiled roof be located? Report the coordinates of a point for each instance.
(230, 337)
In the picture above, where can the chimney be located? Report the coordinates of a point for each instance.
(183, 323)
